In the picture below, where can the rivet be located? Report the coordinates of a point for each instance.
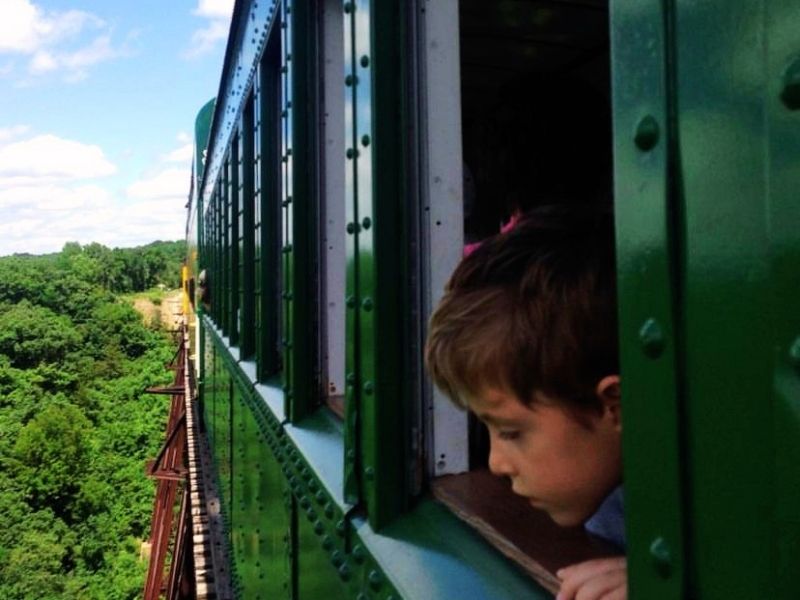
(791, 86)
(351, 378)
(794, 353)
(349, 153)
(375, 580)
(368, 388)
(327, 542)
(366, 223)
(340, 527)
(369, 473)
(358, 553)
(337, 559)
(662, 557)
(350, 301)
(351, 455)
(288, 199)
(652, 338)
(329, 510)
(647, 133)
(320, 496)
(348, 80)
(348, 7)
(344, 571)
(351, 228)
(365, 61)
(367, 304)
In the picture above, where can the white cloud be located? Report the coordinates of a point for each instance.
(218, 15)
(214, 9)
(47, 157)
(181, 155)
(51, 192)
(9, 133)
(54, 40)
(170, 183)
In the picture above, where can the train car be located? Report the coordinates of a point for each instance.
(353, 150)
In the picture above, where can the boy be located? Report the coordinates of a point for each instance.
(526, 338)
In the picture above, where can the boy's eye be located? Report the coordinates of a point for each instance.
(508, 435)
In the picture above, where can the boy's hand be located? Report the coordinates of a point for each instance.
(601, 579)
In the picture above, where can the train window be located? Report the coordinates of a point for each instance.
(331, 197)
(267, 208)
(234, 236)
(247, 198)
(530, 127)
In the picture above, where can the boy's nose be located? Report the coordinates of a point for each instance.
(498, 461)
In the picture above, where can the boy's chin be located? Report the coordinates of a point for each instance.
(561, 518)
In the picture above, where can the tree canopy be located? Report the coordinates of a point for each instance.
(75, 425)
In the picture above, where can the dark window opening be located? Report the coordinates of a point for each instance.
(535, 131)
(267, 209)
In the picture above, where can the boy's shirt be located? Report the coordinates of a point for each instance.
(608, 522)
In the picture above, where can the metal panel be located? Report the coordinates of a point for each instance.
(252, 22)
(647, 263)
(332, 215)
(261, 514)
(739, 153)
(379, 229)
(443, 214)
(783, 125)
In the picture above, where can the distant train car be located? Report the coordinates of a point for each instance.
(356, 147)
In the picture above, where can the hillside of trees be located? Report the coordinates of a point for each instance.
(75, 425)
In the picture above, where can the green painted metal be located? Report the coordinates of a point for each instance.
(378, 155)
(202, 128)
(646, 196)
(261, 522)
(783, 122)
(739, 150)
(319, 577)
(429, 553)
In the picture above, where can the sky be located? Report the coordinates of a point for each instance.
(97, 106)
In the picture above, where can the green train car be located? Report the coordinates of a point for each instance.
(356, 146)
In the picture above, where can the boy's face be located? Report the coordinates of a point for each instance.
(558, 464)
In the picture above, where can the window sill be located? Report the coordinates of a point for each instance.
(525, 535)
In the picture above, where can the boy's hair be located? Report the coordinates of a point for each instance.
(531, 310)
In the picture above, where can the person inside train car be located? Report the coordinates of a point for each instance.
(204, 290)
(525, 337)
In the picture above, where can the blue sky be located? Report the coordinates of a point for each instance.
(97, 106)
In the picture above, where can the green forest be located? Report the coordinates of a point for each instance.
(75, 426)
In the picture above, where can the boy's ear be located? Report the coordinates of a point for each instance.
(609, 392)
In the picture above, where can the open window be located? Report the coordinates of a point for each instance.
(267, 222)
(530, 127)
(331, 211)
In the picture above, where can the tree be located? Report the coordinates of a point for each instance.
(30, 335)
(53, 452)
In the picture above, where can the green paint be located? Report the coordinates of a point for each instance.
(646, 189)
